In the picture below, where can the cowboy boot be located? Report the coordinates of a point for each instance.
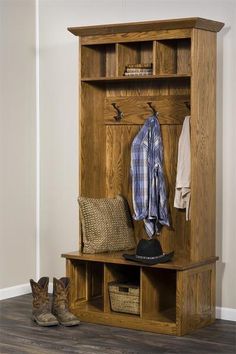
(41, 313)
(60, 302)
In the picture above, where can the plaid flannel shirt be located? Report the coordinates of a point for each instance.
(148, 183)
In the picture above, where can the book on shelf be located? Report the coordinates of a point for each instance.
(139, 73)
(131, 70)
(140, 65)
(139, 69)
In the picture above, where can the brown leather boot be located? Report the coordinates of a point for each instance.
(41, 312)
(60, 302)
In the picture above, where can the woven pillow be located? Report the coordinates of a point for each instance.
(106, 224)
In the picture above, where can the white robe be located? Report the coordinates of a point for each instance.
(183, 177)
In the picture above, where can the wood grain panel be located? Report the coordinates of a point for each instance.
(203, 144)
(175, 237)
(118, 179)
(95, 56)
(126, 321)
(166, 87)
(179, 87)
(146, 52)
(110, 60)
(172, 109)
(173, 56)
(136, 36)
(118, 145)
(92, 132)
(184, 56)
(166, 57)
(101, 59)
(204, 292)
(77, 272)
(195, 298)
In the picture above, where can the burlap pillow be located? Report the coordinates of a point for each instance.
(106, 224)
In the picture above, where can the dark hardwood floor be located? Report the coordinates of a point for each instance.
(19, 334)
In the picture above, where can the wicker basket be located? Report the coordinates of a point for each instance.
(124, 297)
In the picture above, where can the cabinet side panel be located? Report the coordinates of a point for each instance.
(76, 271)
(195, 298)
(203, 144)
(92, 136)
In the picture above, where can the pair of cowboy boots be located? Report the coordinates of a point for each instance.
(59, 312)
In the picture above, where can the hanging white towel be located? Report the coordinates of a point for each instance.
(183, 177)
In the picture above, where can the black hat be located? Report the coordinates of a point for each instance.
(149, 252)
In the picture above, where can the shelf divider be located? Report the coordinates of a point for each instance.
(154, 55)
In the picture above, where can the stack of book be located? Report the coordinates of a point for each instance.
(138, 69)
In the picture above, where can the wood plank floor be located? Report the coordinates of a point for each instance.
(18, 334)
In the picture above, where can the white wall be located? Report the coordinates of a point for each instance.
(17, 142)
(59, 227)
(58, 126)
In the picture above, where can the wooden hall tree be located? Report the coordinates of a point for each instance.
(179, 296)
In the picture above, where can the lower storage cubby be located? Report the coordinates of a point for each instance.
(87, 294)
(157, 289)
(157, 298)
(119, 274)
(158, 294)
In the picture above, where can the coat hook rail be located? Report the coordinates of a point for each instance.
(152, 108)
(119, 114)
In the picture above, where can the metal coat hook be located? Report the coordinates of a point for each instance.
(152, 108)
(119, 114)
(187, 104)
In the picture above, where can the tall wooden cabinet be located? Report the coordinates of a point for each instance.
(179, 296)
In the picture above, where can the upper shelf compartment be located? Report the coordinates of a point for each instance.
(173, 56)
(136, 60)
(135, 53)
(98, 61)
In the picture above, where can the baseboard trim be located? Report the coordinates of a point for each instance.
(22, 289)
(226, 313)
(7, 293)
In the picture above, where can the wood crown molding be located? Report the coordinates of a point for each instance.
(191, 22)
